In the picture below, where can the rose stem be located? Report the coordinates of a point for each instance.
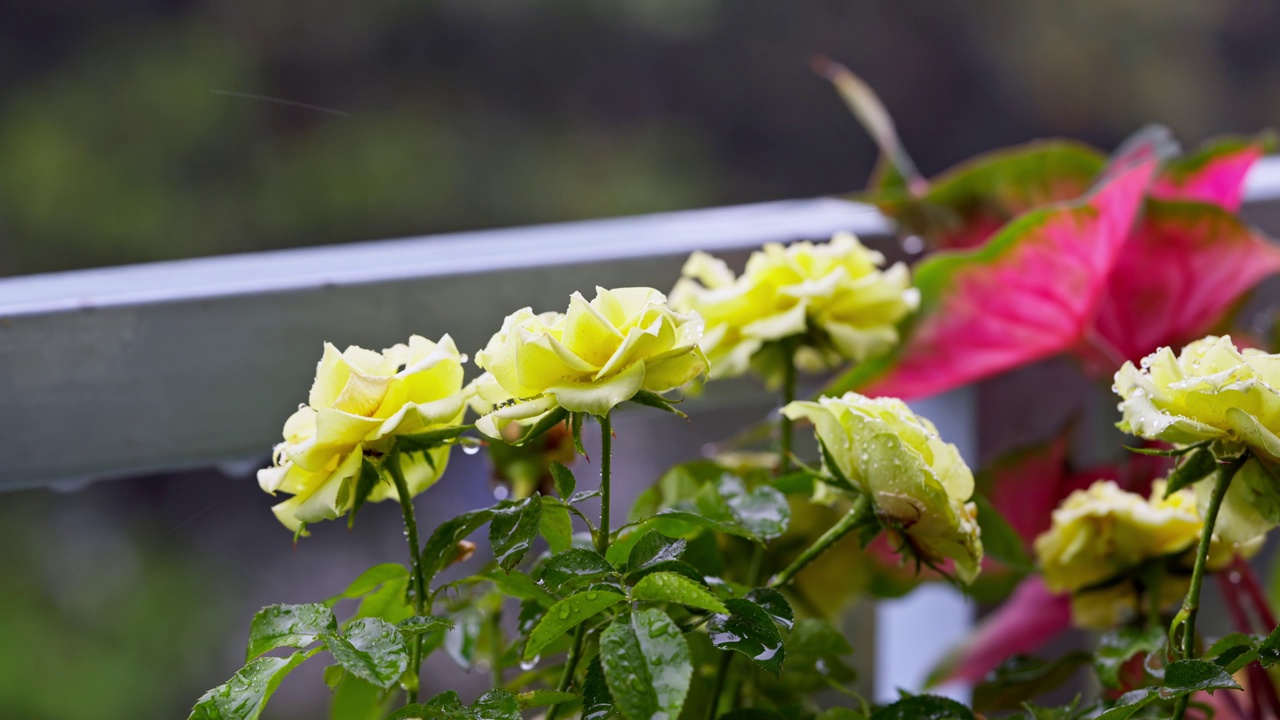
(419, 581)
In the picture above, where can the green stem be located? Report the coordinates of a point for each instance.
(788, 395)
(392, 465)
(602, 546)
(1191, 605)
(847, 523)
(495, 638)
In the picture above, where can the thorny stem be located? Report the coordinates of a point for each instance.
(602, 546)
(1191, 605)
(392, 465)
(856, 514)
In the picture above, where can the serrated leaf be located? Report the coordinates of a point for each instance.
(496, 705)
(575, 431)
(1116, 647)
(673, 588)
(1194, 467)
(247, 692)
(678, 567)
(597, 701)
(692, 518)
(749, 630)
(555, 526)
(519, 585)
(652, 548)
(564, 479)
(1269, 650)
(566, 615)
(445, 706)
(512, 529)
(999, 539)
(773, 602)
(371, 649)
(295, 626)
(442, 546)
(1188, 676)
(924, 707)
(652, 399)
(647, 665)
(764, 511)
(422, 624)
(573, 566)
(543, 698)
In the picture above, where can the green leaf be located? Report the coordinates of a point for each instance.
(764, 511)
(647, 665)
(566, 483)
(575, 431)
(840, 713)
(421, 624)
(548, 421)
(442, 546)
(597, 701)
(355, 699)
(1021, 678)
(999, 539)
(832, 474)
(370, 580)
(748, 629)
(566, 615)
(445, 706)
(295, 626)
(556, 526)
(543, 698)
(652, 399)
(1269, 650)
(496, 705)
(462, 640)
(772, 602)
(247, 692)
(1116, 647)
(368, 479)
(654, 548)
(430, 439)
(1188, 676)
(1130, 703)
(673, 588)
(519, 585)
(512, 530)
(1193, 468)
(371, 649)
(924, 707)
(1165, 452)
(573, 566)
(662, 519)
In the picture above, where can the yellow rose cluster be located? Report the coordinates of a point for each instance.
(1214, 393)
(832, 296)
(1102, 537)
(918, 484)
(360, 401)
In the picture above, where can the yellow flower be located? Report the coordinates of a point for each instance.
(359, 402)
(834, 295)
(595, 356)
(1209, 391)
(1101, 537)
(919, 484)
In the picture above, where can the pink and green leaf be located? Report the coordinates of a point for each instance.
(1213, 174)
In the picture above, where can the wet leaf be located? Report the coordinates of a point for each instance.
(924, 707)
(247, 692)
(430, 439)
(654, 548)
(555, 525)
(674, 588)
(295, 626)
(764, 511)
(564, 479)
(371, 649)
(370, 580)
(1117, 646)
(543, 698)
(597, 701)
(647, 665)
(566, 615)
(462, 640)
(748, 629)
(775, 604)
(496, 705)
(573, 566)
(442, 546)
(420, 624)
(1021, 678)
(1194, 467)
(512, 529)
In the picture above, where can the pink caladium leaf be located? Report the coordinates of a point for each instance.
(1184, 267)
(1029, 293)
(1031, 618)
(1213, 174)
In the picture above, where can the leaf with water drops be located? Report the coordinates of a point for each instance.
(512, 530)
(371, 649)
(775, 604)
(355, 699)
(647, 665)
(520, 586)
(555, 525)
(369, 581)
(442, 547)
(678, 567)
(764, 511)
(566, 615)
(496, 705)
(445, 706)
(653, 548)
(575, 565)
(1269, 650)
(564, 479)
(295, 626)
(422, 624)
(247, 692)
(673, 588)
(543, 698)
(748, 629)
(1188, 676)
(597, 701)
(1116, 647)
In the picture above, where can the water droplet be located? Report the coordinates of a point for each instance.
(501, 492)
(593, 595)
(527, 665)
(912, 244)
(471, 449)
(564, 613)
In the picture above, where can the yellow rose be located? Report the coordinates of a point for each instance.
(1101, 537)
(595, 356)
(359, 402)
(1209, 391)
(834, 295)
(918, 484)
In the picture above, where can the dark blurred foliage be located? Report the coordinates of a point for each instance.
(126, 135)
(121, 139)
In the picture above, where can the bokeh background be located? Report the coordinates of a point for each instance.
(142, 130)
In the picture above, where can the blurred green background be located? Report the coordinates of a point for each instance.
(134, 131)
